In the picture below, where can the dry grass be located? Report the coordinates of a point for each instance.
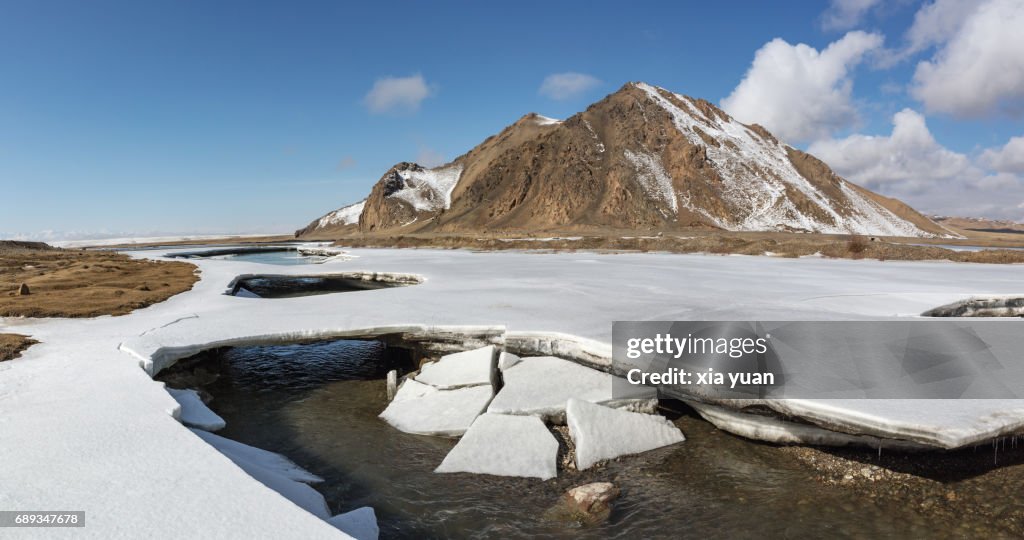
(12, 345)
(778, 244)
(76, 283)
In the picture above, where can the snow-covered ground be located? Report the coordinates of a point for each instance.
(83, 427)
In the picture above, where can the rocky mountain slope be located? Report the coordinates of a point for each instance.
(340, 221)
(642, 159)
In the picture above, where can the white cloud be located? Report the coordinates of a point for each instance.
(799, 93)
(934, 23)
(911, 164)
(845, 14)
(568, 85)
(1007, 159)
(397, 94)
(428, 157)
(978, 69)
(909, 159)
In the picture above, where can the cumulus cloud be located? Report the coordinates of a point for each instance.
(568, 85)
(978, 68)
(1007, 159)
(397, 94)
(934, 23)
(845, 14)
(910, 158)
(800, 93)
(911, 164)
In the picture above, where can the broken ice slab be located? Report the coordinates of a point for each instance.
(424, 410)
(601, 433)
(505, 445)
(360, 523)
(541, 386)
(467, 368)
(195, 413)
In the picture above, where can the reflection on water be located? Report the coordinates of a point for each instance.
(267, 254)
(318, 405)
(278, 257)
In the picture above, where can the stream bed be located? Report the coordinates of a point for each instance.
(318, 404)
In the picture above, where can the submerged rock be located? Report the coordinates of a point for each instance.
(592, 499)
(505, 445)
(589, 504)
(602, 433)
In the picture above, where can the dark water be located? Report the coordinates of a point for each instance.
(295, 286)
(318, 405)
(283, 255)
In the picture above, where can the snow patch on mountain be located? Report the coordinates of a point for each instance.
(429, 190)
(545, 121)
(756, 172)
(657, 183)
(346, 215)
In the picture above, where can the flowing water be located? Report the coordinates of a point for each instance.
(318, 405)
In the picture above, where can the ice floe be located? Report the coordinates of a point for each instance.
(360, 523)
(541, 386)
(504, 445)
(601, 433)
(242, 292)
(468, 368)
(195, 413)
(429, 411)
(506, 360)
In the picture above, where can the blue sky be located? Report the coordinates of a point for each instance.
(189, 116)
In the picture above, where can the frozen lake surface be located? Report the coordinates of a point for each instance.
(83, 386)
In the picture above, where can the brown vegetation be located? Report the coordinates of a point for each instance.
(77, 283)
(699, 241)
(11, 345)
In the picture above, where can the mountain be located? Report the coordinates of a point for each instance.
(642, 159)
(341, 221)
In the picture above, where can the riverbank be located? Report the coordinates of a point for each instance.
(12, 345)
(973, 487)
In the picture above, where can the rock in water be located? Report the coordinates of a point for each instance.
(593, 500)
(23, 290)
